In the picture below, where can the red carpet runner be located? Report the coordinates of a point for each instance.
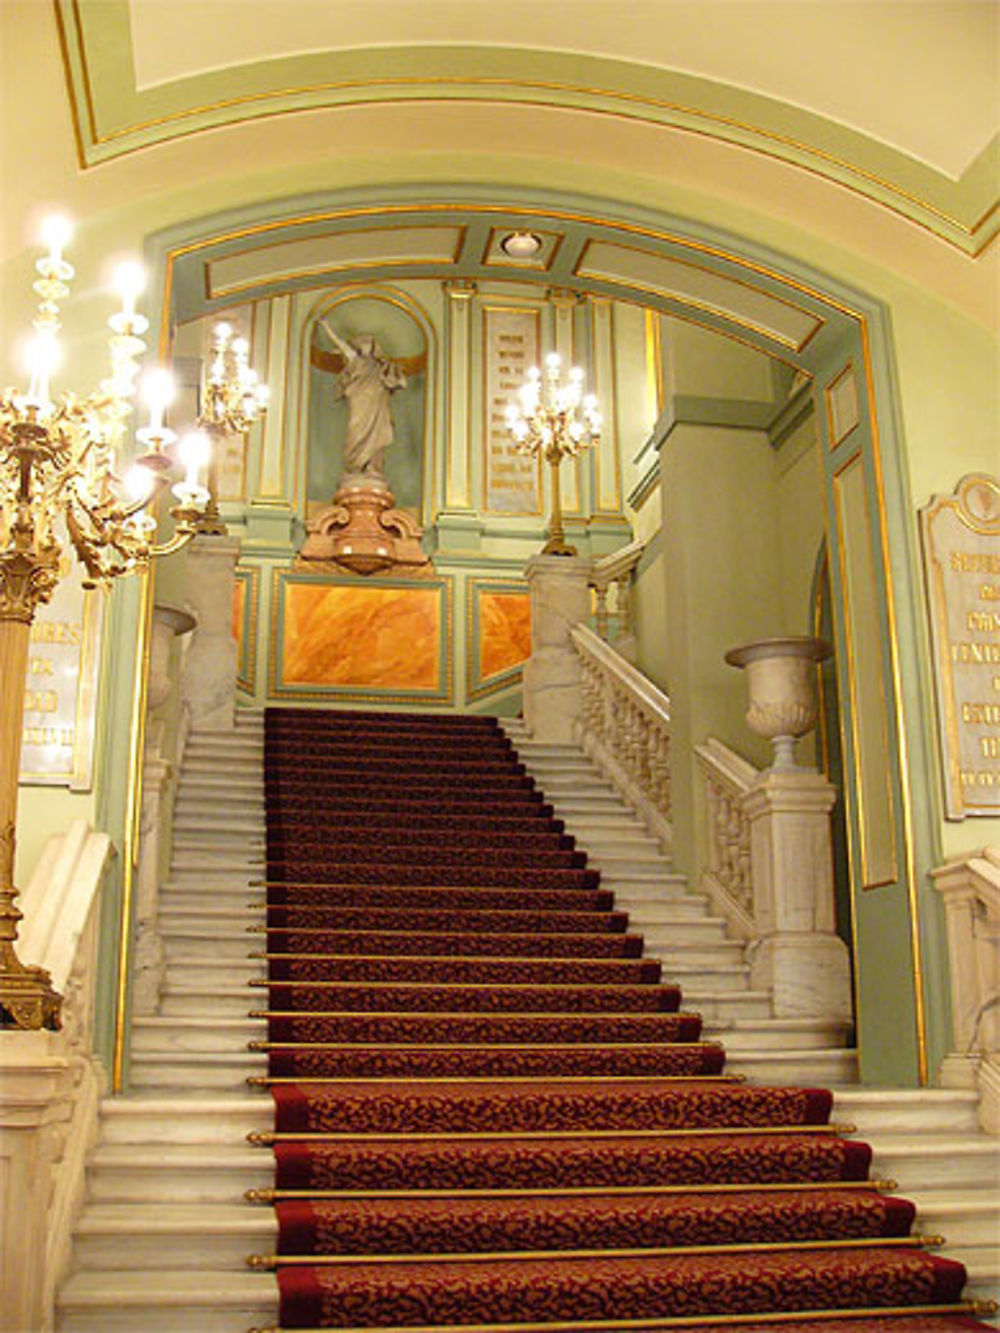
(490, 1108)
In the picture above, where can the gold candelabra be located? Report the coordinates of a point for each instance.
(554, 420)
(59, 487)
(232, 400)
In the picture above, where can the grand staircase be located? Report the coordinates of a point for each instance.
(163, 1241)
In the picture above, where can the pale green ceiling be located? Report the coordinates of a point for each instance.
(886, 125)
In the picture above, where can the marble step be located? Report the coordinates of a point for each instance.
(223, 864)
(188, 974)
(663, 908)
(725, 977)
(205, 1071)
(740, 1035)
(165, 1035)
(722, 1006)
(220, 742)
(221, 785)
(222, 840)
(673, 952)
(810, 1068)
(934, 1160)
(191, 1119)
(195, 1002)
(964, 1218)
(177, 1173)
(209, 1301)
(908, 1110)
(208, 1032)
(111, 1237)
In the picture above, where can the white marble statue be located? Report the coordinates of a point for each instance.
(368, 380)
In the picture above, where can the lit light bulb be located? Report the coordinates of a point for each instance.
(194, 451)
(222, 332)
(128, 281)
(158, 391)
(56, 232)
(43, 355)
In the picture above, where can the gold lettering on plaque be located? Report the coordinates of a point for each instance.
(961, 547)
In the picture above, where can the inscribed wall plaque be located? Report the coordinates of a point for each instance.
(57, 740)
(961, 540)
(510, 347)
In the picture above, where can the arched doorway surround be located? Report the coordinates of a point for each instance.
(839, 336)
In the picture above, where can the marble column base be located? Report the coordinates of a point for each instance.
(211, 664)
(552, 696)
(560, 600)
(808, 975)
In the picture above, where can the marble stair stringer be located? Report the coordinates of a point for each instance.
(162, 1240)
(927, 1140)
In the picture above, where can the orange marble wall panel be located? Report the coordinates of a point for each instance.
(362, 637)
(504, 631)
(240, 590)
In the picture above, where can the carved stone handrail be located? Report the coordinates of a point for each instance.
(970, 887)
(728, 875)
(625, 728)
(51, 1082)
(617, 570)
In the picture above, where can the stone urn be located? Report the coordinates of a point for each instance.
(781, 680)
(168, 621)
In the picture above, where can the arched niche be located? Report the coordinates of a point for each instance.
(394, 320)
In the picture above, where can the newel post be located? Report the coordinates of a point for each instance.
(560, 599)
(797, 955)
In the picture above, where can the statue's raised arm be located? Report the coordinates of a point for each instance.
(367, 381)
(344, 348)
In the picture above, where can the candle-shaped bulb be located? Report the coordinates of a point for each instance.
(552, 361)
(56, 232)
(129, 281)
(222, 333)
(194, 451)
(158, 392)
(43, 354)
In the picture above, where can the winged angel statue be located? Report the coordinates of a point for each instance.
(368, 378)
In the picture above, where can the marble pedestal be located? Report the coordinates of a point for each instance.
(798, 956)
(560, 600)
(210, 670)
(364, 531)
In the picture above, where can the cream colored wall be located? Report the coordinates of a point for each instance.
(942, 304)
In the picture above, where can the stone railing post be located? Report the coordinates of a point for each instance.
(158, 775)
(970, 887)
(553, 699)
(797, 955)
(210, 670)
(50, 1085)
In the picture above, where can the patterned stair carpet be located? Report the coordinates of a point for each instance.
(491, 1111)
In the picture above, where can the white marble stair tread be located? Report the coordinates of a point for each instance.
(175, 914)
(723, 1005)
(190, 1118)
(930, 1110)
(173, 1236)
(208, 1301)
(225, 1001)
(812, 1067)
(194, 1035)
(781, 1034)
(963, 1218)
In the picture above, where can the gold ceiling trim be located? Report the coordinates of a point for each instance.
(482, 88)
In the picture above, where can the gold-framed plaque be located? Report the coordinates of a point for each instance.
(511, 345)
(961, 547)
(60, 693)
